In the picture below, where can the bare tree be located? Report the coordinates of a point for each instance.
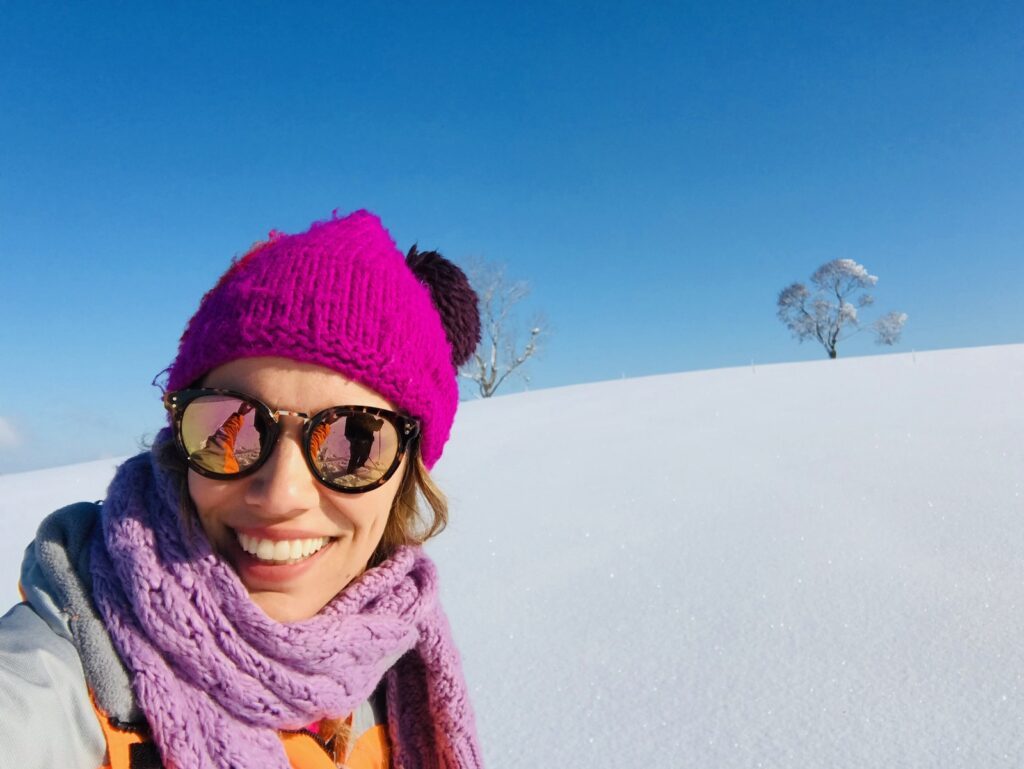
(499, 354)
(825, 313)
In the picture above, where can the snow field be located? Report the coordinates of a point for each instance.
(800, 565)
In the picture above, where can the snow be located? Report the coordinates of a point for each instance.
(843, 271)
(800, 565)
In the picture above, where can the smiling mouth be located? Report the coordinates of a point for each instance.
(281, 551)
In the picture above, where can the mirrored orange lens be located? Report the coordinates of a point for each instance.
(353, 449)
(220, 433)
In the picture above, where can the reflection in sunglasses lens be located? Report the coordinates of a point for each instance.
(350, 449)
(220, 433)
(353, 449)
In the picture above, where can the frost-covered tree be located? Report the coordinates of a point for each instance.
(499, 353)
(830, 313)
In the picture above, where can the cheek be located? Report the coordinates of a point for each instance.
(209, 496)
(365, 517)
(367, 514)
(380, 520)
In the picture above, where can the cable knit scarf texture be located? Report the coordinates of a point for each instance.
(216, 678)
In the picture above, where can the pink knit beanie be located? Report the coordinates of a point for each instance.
(341, 295)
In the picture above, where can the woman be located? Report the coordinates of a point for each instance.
(251, 592)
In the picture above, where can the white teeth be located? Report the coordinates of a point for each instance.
(281, 550)
(265, 550)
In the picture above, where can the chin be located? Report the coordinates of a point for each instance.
(282, 607)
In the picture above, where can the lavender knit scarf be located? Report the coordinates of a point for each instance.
(216, 677)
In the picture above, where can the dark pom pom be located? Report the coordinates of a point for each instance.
(454, 299)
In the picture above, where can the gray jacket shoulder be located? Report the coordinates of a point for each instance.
(46, 716)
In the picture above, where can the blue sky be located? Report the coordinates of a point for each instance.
(657, 173)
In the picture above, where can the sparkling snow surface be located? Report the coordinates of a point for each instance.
(802, 565)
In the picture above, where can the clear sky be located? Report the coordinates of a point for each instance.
(657, 172)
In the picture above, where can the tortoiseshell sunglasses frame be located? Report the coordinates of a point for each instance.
(407, 429)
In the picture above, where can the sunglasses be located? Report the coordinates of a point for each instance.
(226, 434)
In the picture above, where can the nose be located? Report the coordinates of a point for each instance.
(283, 487)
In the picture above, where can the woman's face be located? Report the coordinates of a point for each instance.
(282, 501)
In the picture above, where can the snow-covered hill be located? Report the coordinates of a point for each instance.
(802, 565)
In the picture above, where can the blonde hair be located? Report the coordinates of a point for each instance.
(407, 523)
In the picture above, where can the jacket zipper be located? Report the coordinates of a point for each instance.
(319, 741)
